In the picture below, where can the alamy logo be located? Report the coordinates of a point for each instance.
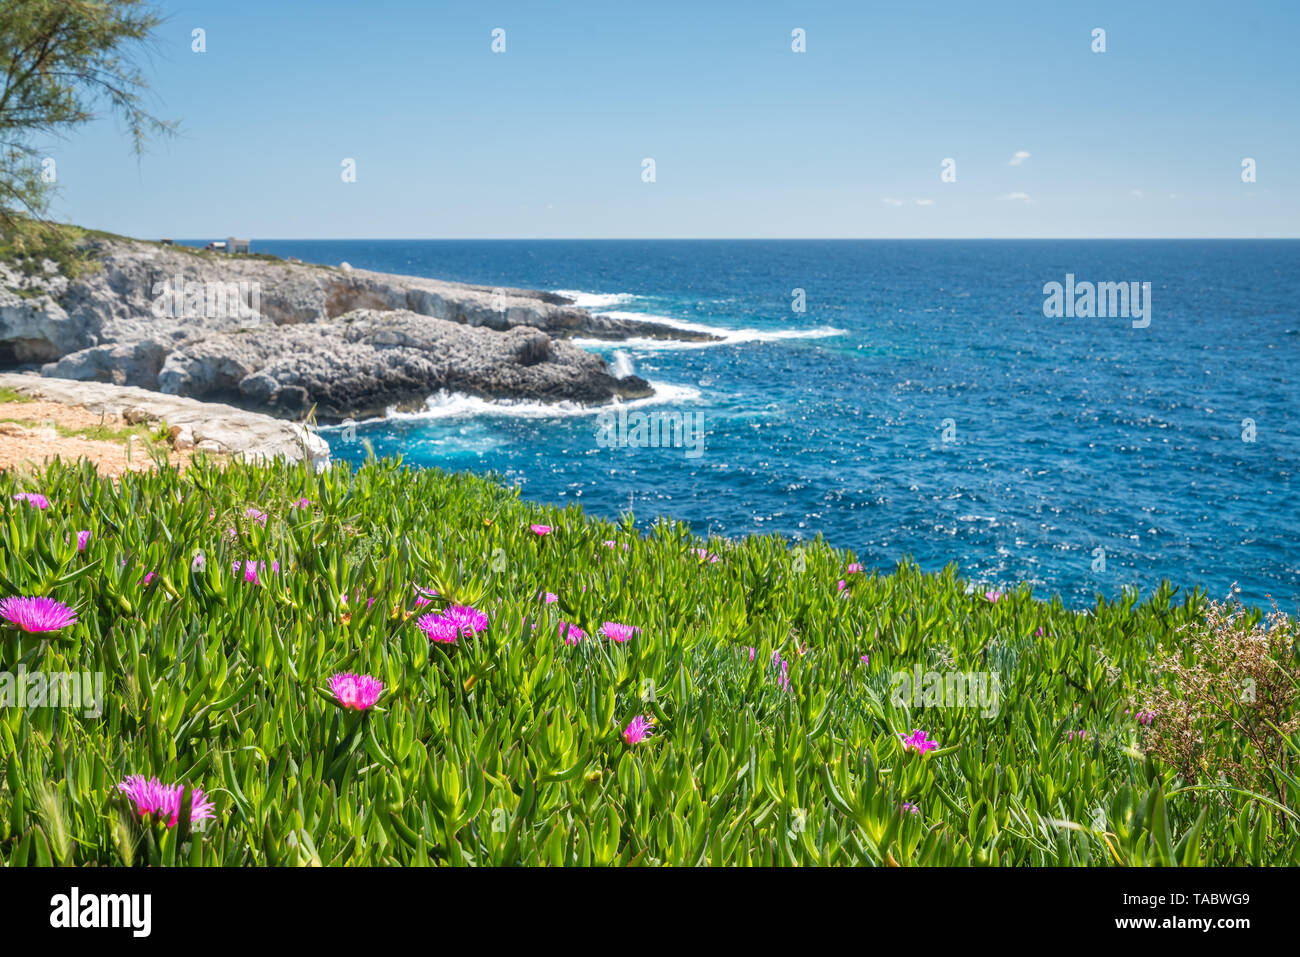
(947, 689)
(1102, 300)
(133, 911)
(179, 299)
(652, 430)
(53, 689)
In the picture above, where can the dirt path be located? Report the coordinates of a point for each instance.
(32, 433)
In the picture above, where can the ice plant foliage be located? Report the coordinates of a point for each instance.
(36, 615)
(205, 662)
(158, 802)
(355, 692)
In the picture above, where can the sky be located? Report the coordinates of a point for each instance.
(749, 138)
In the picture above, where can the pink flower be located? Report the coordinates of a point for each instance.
(638, 730)
(866, 659)
(252, 569)
(1145, 717)
(911, 808)
(853, 568)
(540, 530)
(155, 801)
(617, 632)
(918, 741)
(35, 499)
(705, 556)
(1038, 633)
(993, 594)
(610, 543)
(843, 585)
(571, 634)
(301, 503)
(437, 628)
(82, 539)
(36, 615)
(548, 597)
(255, 515)
(466, 620)
(355, 692)
(147, 579)
(751, 654)
(1081, 735)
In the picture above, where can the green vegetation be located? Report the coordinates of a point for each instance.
(8, 394)
(509, 746)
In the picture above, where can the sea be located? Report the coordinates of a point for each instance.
(917, 400)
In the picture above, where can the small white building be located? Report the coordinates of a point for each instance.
(234, 245)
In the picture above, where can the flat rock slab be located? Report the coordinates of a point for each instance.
(207, 426)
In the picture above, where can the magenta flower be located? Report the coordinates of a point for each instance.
(1038, 633)
(1081, 735)
(911, 808)
(147, 579)
(617, 632)
(253, 569)
(82, 539)
(36, 615)
(255, 515)
(437, 628)
(424, 596)
(866, 659)
(549, 597)
(751, 654)
(540, 530)
(467, 621)
(853, 568)
(610, 543)
(843, 586)
(155, 801)
(918, 741)
(705, 556)
(638, 730)
(301, 503)
(993, 595)
(1145, 717)
(355, 692)
(35, 499)
(571, 634)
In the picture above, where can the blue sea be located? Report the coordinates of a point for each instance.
(921, 405)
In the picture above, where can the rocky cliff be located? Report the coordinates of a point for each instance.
(282, 337)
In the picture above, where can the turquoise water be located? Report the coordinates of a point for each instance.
(1066, 436)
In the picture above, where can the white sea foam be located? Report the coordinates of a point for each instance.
(595, 300)
(725, 336)
(457, 405)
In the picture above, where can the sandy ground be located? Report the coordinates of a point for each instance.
(32, 440)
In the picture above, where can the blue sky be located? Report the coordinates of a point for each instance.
(749, 138)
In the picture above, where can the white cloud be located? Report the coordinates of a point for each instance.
(1021, 197)
(1020, 157)
(1136, 193)
(890, 201)
(925, 202)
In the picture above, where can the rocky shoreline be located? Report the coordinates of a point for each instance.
(288, 338)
